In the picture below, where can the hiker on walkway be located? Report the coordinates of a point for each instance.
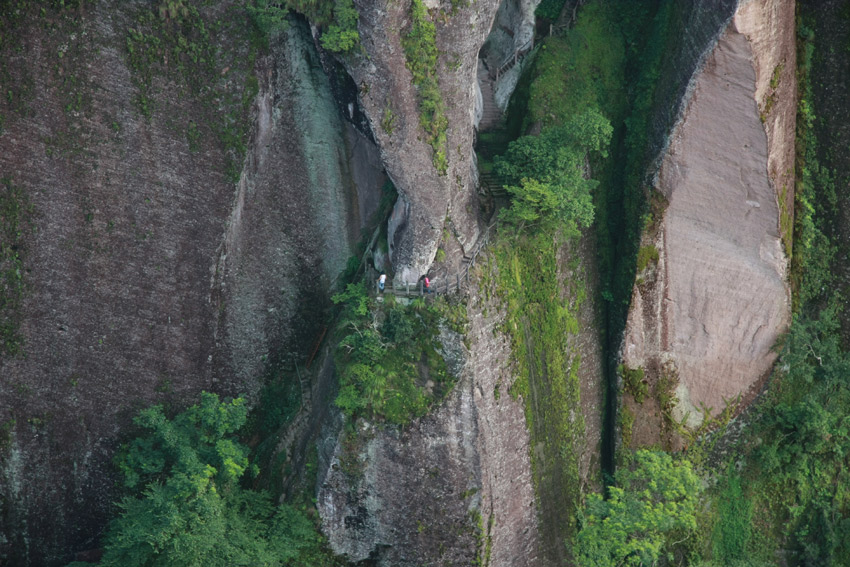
(427, 285)
(382, 282)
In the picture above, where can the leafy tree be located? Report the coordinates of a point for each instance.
(189, 508)
(342, 35)
(546, 174)
(652, 499)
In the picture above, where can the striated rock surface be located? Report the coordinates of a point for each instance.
(407, 497)
(769, 26)
(696, 27)
(427, 200)
(451, 485)
(717, 299)
(149, 275)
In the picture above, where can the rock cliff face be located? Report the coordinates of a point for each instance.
(712, 307)
(428, 201)
(149, 275)
(451, 485)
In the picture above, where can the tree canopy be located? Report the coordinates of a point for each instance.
(651, 499)
(187, 507)
(547, 175)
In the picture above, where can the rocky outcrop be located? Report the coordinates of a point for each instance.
(428, 201)
(454, 485)
(769, 26)
(311, 183)
(693, 31)
(149, 274)
(410, 496)
(513, 30)
(709, 310)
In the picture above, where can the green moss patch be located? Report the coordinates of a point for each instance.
(15, 211)
(541, 319)
(420, 51)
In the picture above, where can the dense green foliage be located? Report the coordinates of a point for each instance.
(14, 210)
(732, 533)
(541, 309)
(653, 500)
(386, 356)
(546, 174)
(420, 51)
(187, 506)
(336, 18)
(574, 91)
(549, 9)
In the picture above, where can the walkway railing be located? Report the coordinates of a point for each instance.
(513, 59)
(450, 284)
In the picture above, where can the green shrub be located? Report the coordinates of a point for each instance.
(646, 254)
(397, 327)
(383, 368)
(549, 9)
(336, 18)
(634, 383)
(652, 500)
(187, 506)
(341, 35)
(733, 528)
(545, 174)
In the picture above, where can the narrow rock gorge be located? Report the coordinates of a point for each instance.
(619, 210)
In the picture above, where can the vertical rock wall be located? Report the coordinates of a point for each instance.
(426, 199)
(696, 27)
(148, 276)
(712, 307)
(298, 212)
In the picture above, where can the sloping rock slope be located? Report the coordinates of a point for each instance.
(712, 307)
(150, 275)
(428, 200)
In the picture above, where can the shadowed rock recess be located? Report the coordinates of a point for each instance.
(149, 275)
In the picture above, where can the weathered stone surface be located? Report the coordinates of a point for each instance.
(695, 28)
(407, 497)
(507, 486)
(421, 489)
(150, 276)
(427, 200)
(769, 26)
(719, 298)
